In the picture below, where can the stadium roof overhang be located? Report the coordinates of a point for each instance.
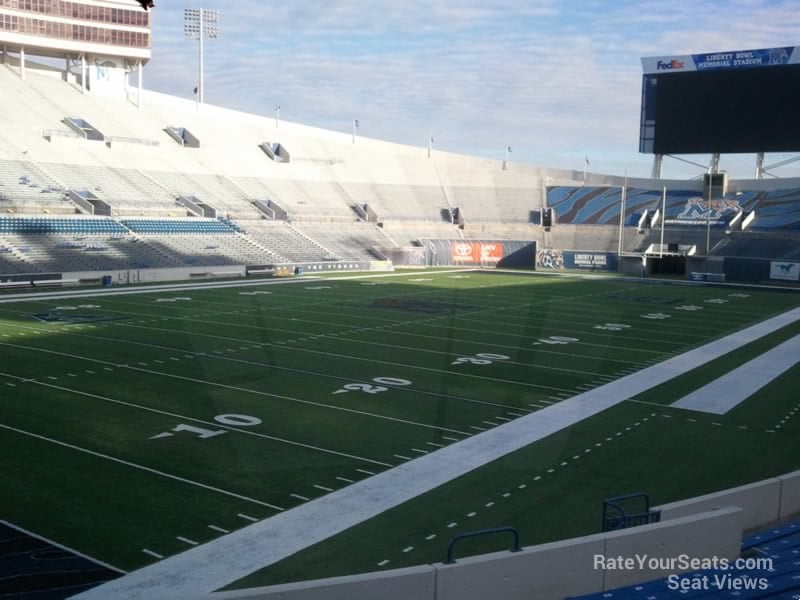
(55, 48)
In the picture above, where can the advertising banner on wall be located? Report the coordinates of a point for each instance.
(785, 271)
(557, 260)
(479, 253)
(475, 253)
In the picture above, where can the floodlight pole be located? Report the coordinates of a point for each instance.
(355, 126)
(663, 218)
(200, 62)
(199, 23)
(277, 115)
(622, 214)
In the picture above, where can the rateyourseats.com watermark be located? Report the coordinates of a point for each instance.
(716, 573)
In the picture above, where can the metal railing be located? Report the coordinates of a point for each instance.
(478, 533)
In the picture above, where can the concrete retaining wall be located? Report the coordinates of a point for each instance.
(548, 571)
(790, 494)
(545, 572)
(716, 533)
(702, 528)
(414, 583)
(760, 502)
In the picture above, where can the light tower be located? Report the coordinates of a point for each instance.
(199, 23)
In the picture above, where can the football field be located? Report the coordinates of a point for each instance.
(135, 427)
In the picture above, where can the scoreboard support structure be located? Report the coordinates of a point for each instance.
(658, 161)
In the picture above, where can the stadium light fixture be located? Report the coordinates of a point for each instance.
(200, 23)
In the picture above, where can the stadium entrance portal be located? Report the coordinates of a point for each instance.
(666, 265)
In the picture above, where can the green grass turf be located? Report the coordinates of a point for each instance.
(84, 393)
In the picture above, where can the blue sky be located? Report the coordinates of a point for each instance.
(556, 81)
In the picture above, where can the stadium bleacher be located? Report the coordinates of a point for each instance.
(317, 203)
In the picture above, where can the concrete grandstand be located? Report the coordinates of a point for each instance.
(379, 195)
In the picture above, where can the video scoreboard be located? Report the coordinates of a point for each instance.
(744, 101)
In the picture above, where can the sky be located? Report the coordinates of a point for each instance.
(557, 81)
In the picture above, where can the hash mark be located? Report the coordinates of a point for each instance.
(186, 541)
(247, 517)
(220, 529)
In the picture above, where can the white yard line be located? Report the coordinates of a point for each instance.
(265, 366)
(730, 390)
(196, 420)
(149, 289)
(128, 463)
(229, 558)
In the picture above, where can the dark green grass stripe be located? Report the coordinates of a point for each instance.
(138, 466)
(243, 379)
(252, 465)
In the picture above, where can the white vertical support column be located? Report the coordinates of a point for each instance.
(202, 33)
(22, 62)
(139, 83)
(760, 165)
(663, 218)
(713, 166)
(83, 72)
(658, 159)
(622, 216)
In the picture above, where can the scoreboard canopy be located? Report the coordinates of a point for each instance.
(740, 101)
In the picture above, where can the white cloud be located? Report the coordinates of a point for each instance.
(558, 76)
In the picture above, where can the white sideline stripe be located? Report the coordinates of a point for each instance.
(730, 390)
(153, 554)
(220, 562)
(137, 466)
(62, 546)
